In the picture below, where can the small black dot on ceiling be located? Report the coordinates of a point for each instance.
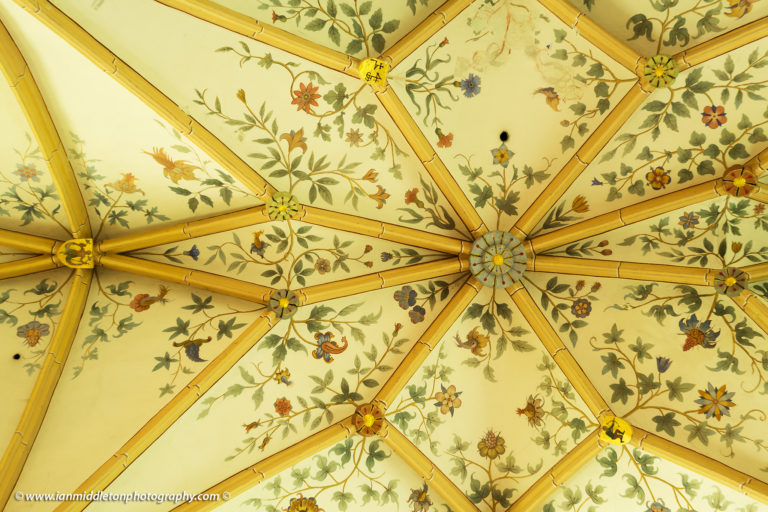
(504, 136)
(17, 356)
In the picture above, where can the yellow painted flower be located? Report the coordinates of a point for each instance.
(658, 178)
(282, 206)
(380, 197)
(660, 71)
(532, 411)
(302, 504)
(368, 419)
(739, 8)
(174, 170)
(491, 445)
(448, 399)
(295, 139)
(579, 204)
(126, 184)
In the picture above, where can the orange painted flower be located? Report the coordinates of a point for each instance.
(445, 141)
(658, 178)
(126, 184)
(532, 411)
(32, 332)
(283, 406)
(368, 419)
(715, 402)
(354, 137)
(580, 204)
(380, 197)
(739, 181)
(305, 97)
(448, 399)
(714, 116)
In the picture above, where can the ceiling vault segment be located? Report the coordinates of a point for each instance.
(31, 243)
(31, 101)
(700, 464)
(378, 280)
(274, 464)
(410, 42)
(625, 270)
(223, 17)
(760, 194)
(579, 162)
(126, 76)
(554, 345)
(173, 410)
(28, 266)
(754, 308)
(194, 278)
(18, 449)
(425, 468)
(432, 163)
(558, 474)
(612, 46)
(722, 44)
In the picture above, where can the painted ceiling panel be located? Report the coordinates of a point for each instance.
(10, 254)
(628, 478)
(358, 28)
(669, 26)
(128, 359)
(672, 142)
(307, 373)
(316, 133)
(560, 80)
(264, 254)
(30, 308)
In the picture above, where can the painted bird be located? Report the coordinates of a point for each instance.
(326, 346)
(739, 8)
(552, 99)
(476, 342)
(143, 301)
(192, 348)
(174, 170)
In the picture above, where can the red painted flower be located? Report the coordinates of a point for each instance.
(714, 116)
(445, 141)
(368, 419)
(283, 406)
(739, 181)
(305, 97)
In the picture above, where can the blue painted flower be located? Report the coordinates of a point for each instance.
(417, 314)
(501, 155)
(194, 252)
(581, 308)
(689, 220)
(386, 256)
(596, 181)
(662, 364)
(698, 333)
(471, 85)
(405, 297)
(715, 402)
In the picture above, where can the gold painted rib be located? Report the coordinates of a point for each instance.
(759, 162)
(583, 157)
(25, 242)
(29, 426)
(722, 44)
(581, 454)
(557, 350)
(760, 194)
(625, 270)
(435, 167)
(286, 458)
(173, 410)
(612, 46)
(249, 27)
(426, 29)
(100, 55)
(28, 266)
(385, 279)
(383, 230)
(627, 215)
(194, 278)
(423, 466)
(757, 272)
(427, 342)
(701, 464)
(754, 308)
(185, 230)
(32, 103)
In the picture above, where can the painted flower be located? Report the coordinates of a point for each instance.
(731, 281)
(126, 184)
(258, 246)
(660, 71)
(448, 399)
(27, 173)
(759, 208)
(420, 499)
(386, 256)
(417, 314)
(322, 265)
(193, 253)
(698, 333)
(739, 8)
(501, 155)
(663, 364)
(714, 116)
(305, 97)
(283, 406)
(715, 402)
(32, 332)
(581, 308)
(302, 504)
(282, 206)
(405, 297)
(658, 178)
(380, 196)
(689, 220)
(471, 86)
(491, 445)
(443, 140)
(354, 137)
(443, 42)
(412, 196)
(295, 140)
(657, 506)
(284, 303)
(278, 17)
(579, 204)
(532, 411)
(371, 175)
(368, 419)
(739, 181)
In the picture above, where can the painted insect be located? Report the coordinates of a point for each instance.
(326, 346)
(657, 506)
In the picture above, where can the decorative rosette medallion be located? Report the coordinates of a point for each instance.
(660, 71)
(497, 259)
